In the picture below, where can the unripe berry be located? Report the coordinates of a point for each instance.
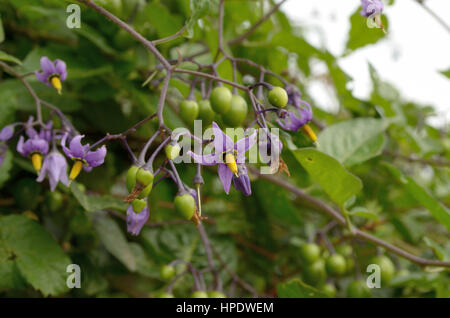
(199, 294)
(278, 97)
(386, 266)
(237, 112)
(358, 289)
(131, 178)
(329, 290)
(167, 272)
(336, 265)
(309, 253)
(216, 294)
(185, 205)
(205, 112)
(221, 99)
(315, 273)
(188, 110)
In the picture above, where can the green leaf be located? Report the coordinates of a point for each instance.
(353, 141)
(93, 203)
(446, 73)
(438, 250)
(337, 182)
(114, 240)
(421, 196)
(9, 58)
(298, 289)
(38, 257)
(5, 168)
(363, 212)
(360, 34)
(199, 8)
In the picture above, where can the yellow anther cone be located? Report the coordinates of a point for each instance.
(309, 132)
(56, 82)
(36, 160)
(76, 169)
(231, 163)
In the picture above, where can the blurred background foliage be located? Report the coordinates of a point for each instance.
(403, 200)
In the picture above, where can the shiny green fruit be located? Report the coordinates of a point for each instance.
(336, 265)
(144, 177)
(138, 205)
(172, 151)
(165, 295)
(329, 290)
(131, 178)
(220, 99)
(237, 112)
(188, 110)
(344, 250)
(185, 205)
(205, 112)
(216, 294)
(278, 97)
(386, 266)
(199, 294)
(309, 253)
(358, 289)
(167, 272)
(315, 273)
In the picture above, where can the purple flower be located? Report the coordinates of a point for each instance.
(83, 157)
(55, 166)
(6, 133)
(53, 73)
(227, 155)
(135, 221)
(300, 116)
(370, 7)
(242, 181)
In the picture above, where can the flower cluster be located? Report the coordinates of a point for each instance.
(40, 141)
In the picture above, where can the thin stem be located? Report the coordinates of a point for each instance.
(318, 205)
(170, 38)
(209, 255)
(434, 15)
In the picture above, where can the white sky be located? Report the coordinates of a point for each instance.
(416, 49)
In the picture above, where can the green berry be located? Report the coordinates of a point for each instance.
(344, 250)
(189, 110)
(131, 178)
(216, 294)
(205, 112)
(221, 99)
(358, 289)
(386, 266)
(329, 290)
(336, 265)
(278, 97)
(54, 200)
(237, 112)
(199, 294)
(144, 177)
(167, 272)
(315, 273)
(138, 205)
(172, 151)
(185, 205)
(309, 253)
(165, 295)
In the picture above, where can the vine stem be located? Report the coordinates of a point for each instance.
(209, 255)
(320, 206)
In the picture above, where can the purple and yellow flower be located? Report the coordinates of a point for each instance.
(229, 156)
(55, 167)
(135, 221)
(35, 147)
(242, 181)
(299, 117)
(52, 73)
(83, 157)
(371, 7)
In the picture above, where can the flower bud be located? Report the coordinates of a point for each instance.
(138, 205)
(185, 205)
